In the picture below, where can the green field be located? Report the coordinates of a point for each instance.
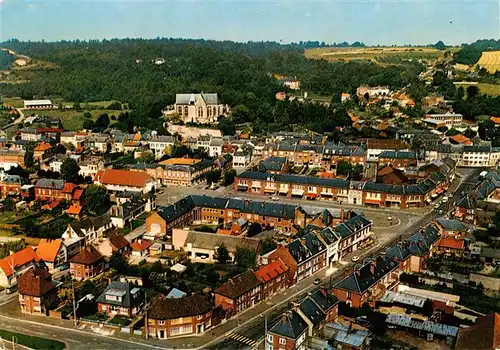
(488, 89)
(31, 341)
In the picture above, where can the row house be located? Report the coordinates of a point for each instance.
(368, 282)
(465, 156)
(353, 233)
(375, 147)
(186, 316)
(273, 165)
(342, 191)
(304, 320)
(448, 119)
(273, 277)
(413, 252)
(398, 159)
(239, 293)
(91, 229)
(49, 189)
(304, 256)
(11, 159)
(99, 143)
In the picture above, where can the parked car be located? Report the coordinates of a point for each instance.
(445, 199)
(355, 258)
(437, 205)
(275, 198)
(317, 281)
(441, 212)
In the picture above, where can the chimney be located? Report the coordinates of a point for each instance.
(284, 318)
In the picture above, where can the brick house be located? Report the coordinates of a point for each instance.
(42, 151)
(46, 189)
(289, 333)
(89, 263)
(281, 253)
(274, 278)
(353, 234)
(121, 298)
(239, 293)
(123, 180)
(368, 282)
(37, 292)
(189, 315)
(10, 184)
(398, 159)
(116, 243)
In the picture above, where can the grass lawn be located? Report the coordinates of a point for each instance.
(73, 120)
(15, 102)
(31, 341)
(488, 89)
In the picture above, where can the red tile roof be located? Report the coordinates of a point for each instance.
(118, 241)
(74, 209)
(69, 187)
(77, 194)
(20, 258)
(35, 282)
(48, 248)
(124, 178)
(87, 256)
(140, 246)
(271, 271)
(42, 147)
(451, 243)
(495, 120)
(459, 138)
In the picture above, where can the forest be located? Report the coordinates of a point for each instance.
(240, 73)
(470, 53)
(6, 59)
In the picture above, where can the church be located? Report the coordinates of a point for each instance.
(200, 108)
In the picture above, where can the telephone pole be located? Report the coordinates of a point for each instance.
(74, 303)
(146, 322)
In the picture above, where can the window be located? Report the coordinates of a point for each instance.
(270, 338)
(161, 322)
(282, 341)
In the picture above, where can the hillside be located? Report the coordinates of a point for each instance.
(470, 53)
(124, 70)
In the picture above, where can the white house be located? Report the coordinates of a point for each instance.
(159, 144)
(91, 229)
(215, 148)
(241, 159)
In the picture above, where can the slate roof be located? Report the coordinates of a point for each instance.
(35, 282)
(351, 226)
(290, 325)
(123, 289)
(452, 225)
(398, 155)
(304, 248)
(239, 285)
(167, 309)
(305, 180)
(50, 184)
(466, 202)
(185, 99)
(360, 281)
(272, 164)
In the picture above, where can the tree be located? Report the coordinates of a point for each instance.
(440, 45)
(222, 254)
(472, 91)
(88, 124)
(70, 169)
(229, 177)
(469, 133)
(28, 159)
(87, 115)
(147, 157)
(102, 122)
(427, 308)
(96, 199)
(213, 176)
(343, 168)
(76, 106)
(119, 263)
(254, 229)
(268, 245)
(452, 132)
(245, 258)
(227, 126)
(115, 106)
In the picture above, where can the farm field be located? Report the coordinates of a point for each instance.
(490, 60)
(73, 120)
(383, 55)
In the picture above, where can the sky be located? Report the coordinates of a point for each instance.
(389, 22)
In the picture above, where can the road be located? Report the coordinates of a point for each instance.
(254, 331)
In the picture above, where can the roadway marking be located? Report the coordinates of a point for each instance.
(242, 339)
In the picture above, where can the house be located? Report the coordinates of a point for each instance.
(123, 180)
(189, 315)
(116, 243)
(37, 292)
(483, 335)
(317, 309)
(201, 108)
(42, 152)
(273, 277)
(375, 147)
(344, 97)
(11, 159)
(239, 293)
(398, 159)
(241, 159)
(9, 185)
(121, 298)
(449, 119)
(413, 252)
(88, 263)
(91, 229)
(368, 282)
(273, 165)
(15, 264)
(52, 252)
(140, 247)
(289, 332)
(46, 189)
(215, 147)
(455, 237)
(353, 233)
(160, 145)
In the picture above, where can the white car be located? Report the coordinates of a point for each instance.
(437, 205)
(275, 198)
(444, 200)
(355, 258)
